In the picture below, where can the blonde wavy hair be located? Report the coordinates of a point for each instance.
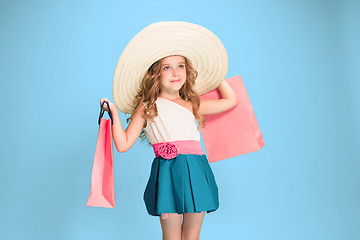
(150, 90)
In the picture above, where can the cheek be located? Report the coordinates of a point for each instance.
(183, 81)
(164, 75)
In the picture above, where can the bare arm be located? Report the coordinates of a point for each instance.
(124, 140)
(228, 101)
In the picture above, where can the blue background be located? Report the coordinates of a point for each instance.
(298, 61)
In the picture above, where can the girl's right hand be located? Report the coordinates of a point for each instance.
(105, 105)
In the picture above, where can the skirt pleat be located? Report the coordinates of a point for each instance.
(183, 184)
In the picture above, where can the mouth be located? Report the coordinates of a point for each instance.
(177, 80)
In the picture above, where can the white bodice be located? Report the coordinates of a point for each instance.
(173, 122)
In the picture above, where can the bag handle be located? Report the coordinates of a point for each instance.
(102, 112)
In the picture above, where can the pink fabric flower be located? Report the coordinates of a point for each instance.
(168, 150)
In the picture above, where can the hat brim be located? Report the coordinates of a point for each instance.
(158, 40)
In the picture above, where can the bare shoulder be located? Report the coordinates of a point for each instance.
(186, 104)
(139, 112)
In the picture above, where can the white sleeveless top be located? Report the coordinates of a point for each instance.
(173, 122)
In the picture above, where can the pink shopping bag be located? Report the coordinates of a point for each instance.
(102, 190)
(234, 132)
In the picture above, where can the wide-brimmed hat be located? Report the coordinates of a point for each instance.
(161, 39)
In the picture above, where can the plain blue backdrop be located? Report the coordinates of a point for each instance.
(299, 62)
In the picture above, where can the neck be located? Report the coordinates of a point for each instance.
(170, 96)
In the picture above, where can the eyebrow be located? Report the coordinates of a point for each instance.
(169, 63)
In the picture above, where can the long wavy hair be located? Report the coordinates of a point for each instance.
(150, 91)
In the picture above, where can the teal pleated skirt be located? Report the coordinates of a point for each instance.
(182, 184)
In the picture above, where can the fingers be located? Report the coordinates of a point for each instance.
(105, 107)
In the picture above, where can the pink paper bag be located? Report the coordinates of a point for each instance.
(234, 132)
(102, 190)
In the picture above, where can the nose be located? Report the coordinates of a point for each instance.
(175, 72)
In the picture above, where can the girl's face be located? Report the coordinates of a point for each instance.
(173, 73)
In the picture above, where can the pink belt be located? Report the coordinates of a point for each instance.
(169, 150)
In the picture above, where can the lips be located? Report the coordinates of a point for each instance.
(177, 80)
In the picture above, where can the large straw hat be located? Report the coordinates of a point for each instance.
(158, 40)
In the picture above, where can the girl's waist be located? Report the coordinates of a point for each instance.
(171, 149)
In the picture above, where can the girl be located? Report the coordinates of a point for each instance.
(181, 186)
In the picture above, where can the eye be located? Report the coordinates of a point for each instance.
(182, 66)
(166, 67)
